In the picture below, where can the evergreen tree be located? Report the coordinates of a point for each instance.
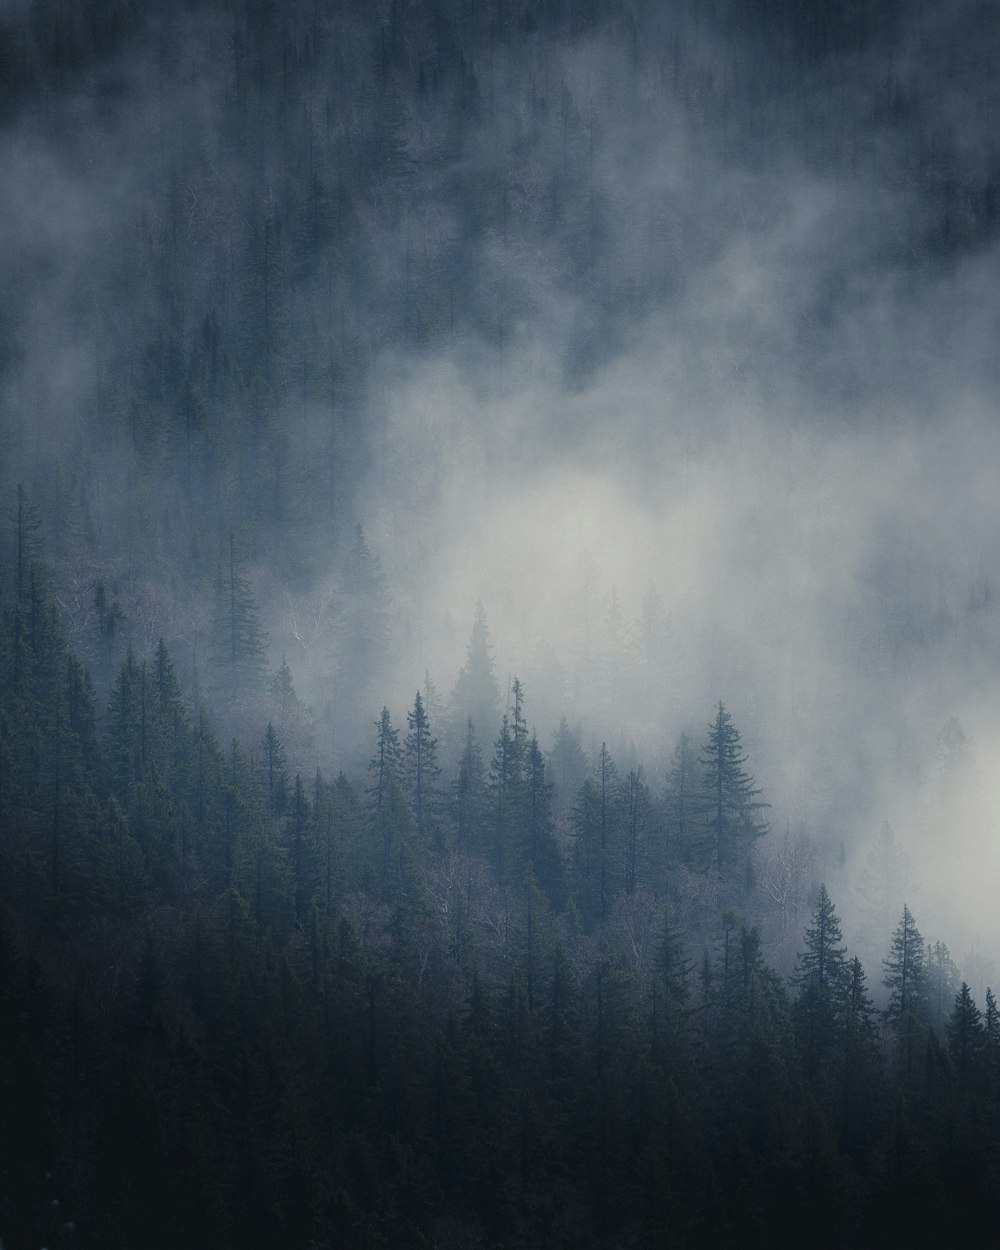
(275, 776)
(860, 1060)
(504, 794)
(538, 844)
(469, 797)
(567, 768)
(637, 813)
(943, 982)
(597, 825)
(423, 773)
(732, 802)
(671, 991)
(302, 845)
(822, 980)
(476, 696)
(385, 765)
(905, 977)
(966, 1038)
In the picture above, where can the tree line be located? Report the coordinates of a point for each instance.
(439, 1004)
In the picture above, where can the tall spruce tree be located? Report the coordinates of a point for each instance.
(905, 977)
(422, 773)
(821, 977)
(966, 1039)
(731, 798)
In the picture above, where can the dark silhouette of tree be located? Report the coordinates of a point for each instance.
(905, 977)
(966, 1038)
(275, 775)
(732, 799)
(597, 824)
(538, 845)
(423, 772)
(821, 977)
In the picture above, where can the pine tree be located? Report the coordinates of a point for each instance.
(303, 849)
(504, 783)
(636, 806)
(567, 768)
(731, 798)
(906, 980)
(469, 798)
(943, 981)
(991, 1049)
(422, 772)
(539, 848)
(966, 1039)
(597, 823)
(275, 776)
(821, 977)
(476, 696)
(860, 1059)
(385, 766)
(671, 991)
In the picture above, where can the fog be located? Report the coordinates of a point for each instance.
(650, 303)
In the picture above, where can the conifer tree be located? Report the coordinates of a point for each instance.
(275, 776)
(504, 781)
(860, 1057)
(567, 768)
(597, 825)
(539, 848)
(476, 695)
(385, 765)
(966, 1039)
(991, 1035)
(732, 800)
(821, 977)
(671, 991)
(943, 983)
(905, 977)
(302, 847)
(469, 799)
(636, 807)
(422, 772)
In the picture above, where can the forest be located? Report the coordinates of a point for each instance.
(446, 1007)
(498, 621)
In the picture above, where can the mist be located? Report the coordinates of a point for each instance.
(578, 316)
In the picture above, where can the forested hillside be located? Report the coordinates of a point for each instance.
(498, 622)
(244, 1007)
